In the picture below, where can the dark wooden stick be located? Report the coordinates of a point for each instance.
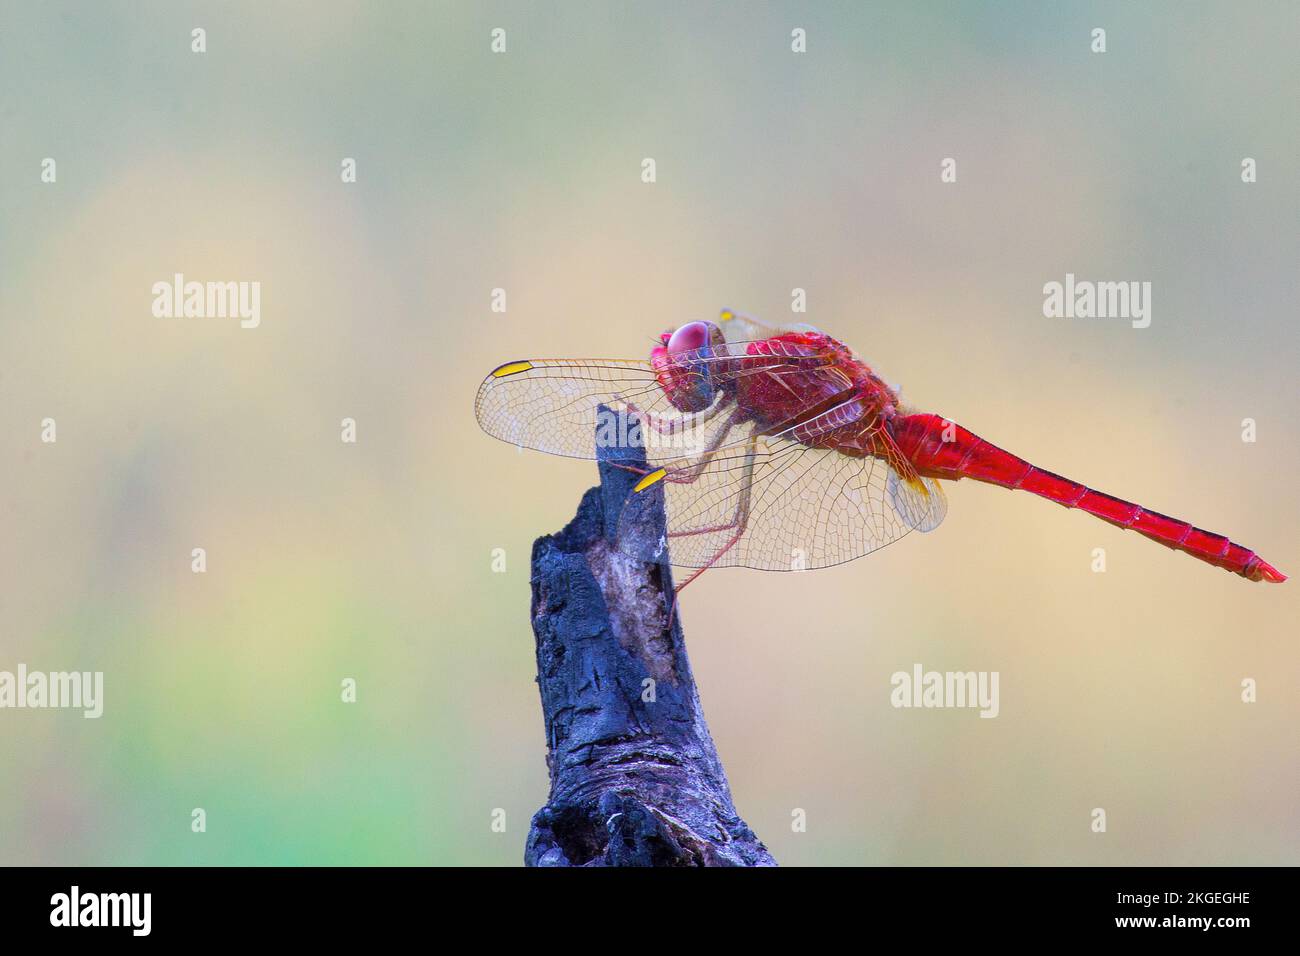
(635, 778)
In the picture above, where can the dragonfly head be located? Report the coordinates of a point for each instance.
(683, 364)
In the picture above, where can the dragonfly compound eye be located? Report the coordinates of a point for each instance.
(691, 337)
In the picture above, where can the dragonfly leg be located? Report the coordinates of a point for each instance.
(693, 472)
(739, 519)
(670, 426)
(739, 522)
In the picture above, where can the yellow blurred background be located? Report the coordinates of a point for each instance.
(522, 171)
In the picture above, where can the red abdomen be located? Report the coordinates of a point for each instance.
(939, 448)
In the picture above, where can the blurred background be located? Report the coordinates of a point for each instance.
(522, 171)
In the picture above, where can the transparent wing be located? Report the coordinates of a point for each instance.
(779, 504)
(551, 404)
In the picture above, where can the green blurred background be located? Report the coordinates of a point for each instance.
(522, 171)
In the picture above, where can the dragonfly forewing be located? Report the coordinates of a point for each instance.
(551, 405)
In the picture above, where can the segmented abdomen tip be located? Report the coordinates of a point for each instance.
(1263, 571)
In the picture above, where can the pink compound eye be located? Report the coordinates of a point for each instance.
(691, 337)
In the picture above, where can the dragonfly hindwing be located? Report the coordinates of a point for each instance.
(920, 503)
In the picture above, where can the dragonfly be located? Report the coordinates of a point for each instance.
(780, 449)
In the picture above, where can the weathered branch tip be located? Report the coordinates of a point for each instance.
(635, 778)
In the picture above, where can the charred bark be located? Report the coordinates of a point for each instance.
(635, 778)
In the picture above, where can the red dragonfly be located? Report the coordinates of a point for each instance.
(780, 449)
